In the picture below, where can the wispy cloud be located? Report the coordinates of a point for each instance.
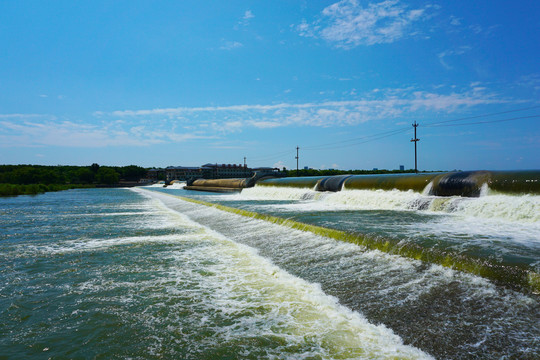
(455, 21)
(348, 24)
(531, 80)
(70, 134)
(231, 45)
(174, 125)
(481, 30)
(248, 15)
(380, 105)
(245, 20)
(450, 53)
(21, 116)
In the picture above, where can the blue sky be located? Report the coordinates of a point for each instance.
(190, 82)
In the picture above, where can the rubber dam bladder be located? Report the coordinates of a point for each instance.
(218, 185)
(459, 183)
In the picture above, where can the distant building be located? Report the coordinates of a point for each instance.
(208, 171)
(375, 169)
(306, 168)
(225, 171)
(401, 167)
(183, 173)
(156, 174)
(266, 171)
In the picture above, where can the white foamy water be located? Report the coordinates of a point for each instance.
(523, 208)
(442, 309)
(241, 281)
(177, 185)
(286, 306)
(158, 185)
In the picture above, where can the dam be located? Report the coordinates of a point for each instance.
(426, 193)
(481, 229)
(462, 183)
(459, 183)
(381, 269)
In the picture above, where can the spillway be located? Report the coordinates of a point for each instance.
(459, 183)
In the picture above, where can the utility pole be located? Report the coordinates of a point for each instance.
(297, 173)
(244, 161)
(415, 140)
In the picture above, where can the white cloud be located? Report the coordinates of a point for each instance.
(248, 15)
(306, 30)
(21, 116)
(530, 80)
(244, 21)
(172, 125)
(231, 45)
(455, 21)
(450, 53)
(265, 124)
(385, 104)
(71, 134)
(348, 24)
(450, 102)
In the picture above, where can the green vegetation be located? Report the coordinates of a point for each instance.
(34, 179)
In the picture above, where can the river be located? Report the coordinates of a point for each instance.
(143, 273)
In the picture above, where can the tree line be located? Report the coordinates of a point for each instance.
(33, 179)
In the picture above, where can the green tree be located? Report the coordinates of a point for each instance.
(84, 176)
(132, 172)
(106, 175)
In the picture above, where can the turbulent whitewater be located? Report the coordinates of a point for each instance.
(143, 273)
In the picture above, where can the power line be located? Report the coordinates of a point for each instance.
(271, 157)
(378, 136)
(365, 141)
(397, 131)
(480, 116)
(485, 122)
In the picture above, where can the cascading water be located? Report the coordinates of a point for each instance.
(525, 208)
(470, 315)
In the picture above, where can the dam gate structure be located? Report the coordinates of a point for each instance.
(457, 183)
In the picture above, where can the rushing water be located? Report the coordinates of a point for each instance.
(119, 273)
